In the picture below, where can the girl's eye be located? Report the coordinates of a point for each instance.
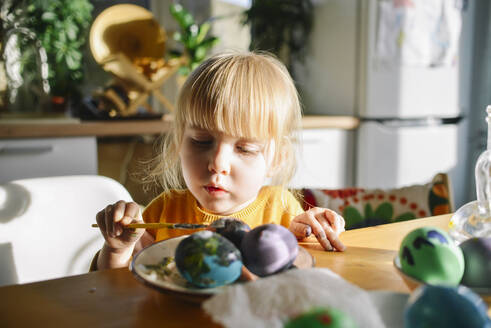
(202, 142)
(248, 149)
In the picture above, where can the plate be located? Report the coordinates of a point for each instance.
(147, 268)
(413, 283)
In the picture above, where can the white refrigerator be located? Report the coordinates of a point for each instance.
(404, 83)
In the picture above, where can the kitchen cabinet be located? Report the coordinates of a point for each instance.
(325, 159)
(42, 157)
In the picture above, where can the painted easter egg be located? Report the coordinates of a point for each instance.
(477, 257)
(322, 318)
(231, 228)
(207, 259)
(445, 307)
(430, 255)
(268, 249)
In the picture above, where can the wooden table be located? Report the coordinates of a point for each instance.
(113, 298)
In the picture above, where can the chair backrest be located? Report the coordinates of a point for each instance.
(45, 225)
(368, 207)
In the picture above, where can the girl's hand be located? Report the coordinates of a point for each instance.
(324, 223)
(112, 220)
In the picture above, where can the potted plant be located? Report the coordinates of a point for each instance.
(62, 27)
(281, 27)
(193, 37)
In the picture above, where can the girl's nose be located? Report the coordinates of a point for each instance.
(220, 160)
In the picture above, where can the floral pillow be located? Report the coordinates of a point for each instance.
(369, 207)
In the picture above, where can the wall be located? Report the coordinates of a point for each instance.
(328, 79)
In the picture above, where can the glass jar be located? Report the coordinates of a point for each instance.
(474, 218)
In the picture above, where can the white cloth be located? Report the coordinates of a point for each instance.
(272, 301)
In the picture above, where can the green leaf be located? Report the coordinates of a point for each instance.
(210, 42)
(72, 62)
(187, 19)
(384, 211)
(194, 66)
(62, 35)
(203, 30)
(71, 31)
(405, 216)
(48, 17)
(178, 36)
(77, 55)
(200, 53)
(59, 57)
(190, 43)
(193, 30)
(175, 9)
(351, 216)
(181, 15)
(369, 211)
(183, 70)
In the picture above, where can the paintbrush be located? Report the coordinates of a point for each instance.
(164, 226)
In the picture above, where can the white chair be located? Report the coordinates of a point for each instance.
(45, 225)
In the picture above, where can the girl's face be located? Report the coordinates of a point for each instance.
(224, 173)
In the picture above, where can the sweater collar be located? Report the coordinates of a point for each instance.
(205, 216)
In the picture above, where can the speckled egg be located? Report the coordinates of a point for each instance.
(231, 228)
(477, 256)
(207, 259)
(268, 249)
(322, 318)
(445, 307)
(430, 255)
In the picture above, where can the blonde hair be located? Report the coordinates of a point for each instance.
(247, 95)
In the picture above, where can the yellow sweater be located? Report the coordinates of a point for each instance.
(180, 206)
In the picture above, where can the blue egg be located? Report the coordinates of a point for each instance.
(445, 307)
(206, 260)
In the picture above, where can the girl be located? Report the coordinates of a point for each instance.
(235, 126)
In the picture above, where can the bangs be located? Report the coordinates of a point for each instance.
(242, 96)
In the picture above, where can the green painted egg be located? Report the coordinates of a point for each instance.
(322, 318)
(477, 256)
(430, 255)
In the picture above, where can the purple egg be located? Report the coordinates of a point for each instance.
(268, 249)
(231, 228)
(477, 258)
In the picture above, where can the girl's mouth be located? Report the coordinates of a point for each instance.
(214, 190)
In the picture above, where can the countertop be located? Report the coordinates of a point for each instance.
(41, 128)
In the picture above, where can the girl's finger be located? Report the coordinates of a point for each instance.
(108, 216)
(131, 213)
(335, 220)
(101, 221)
(300, 230)
(331, 234)
(318, 230)
(119, 211)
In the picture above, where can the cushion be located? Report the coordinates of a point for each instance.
(368, 207)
